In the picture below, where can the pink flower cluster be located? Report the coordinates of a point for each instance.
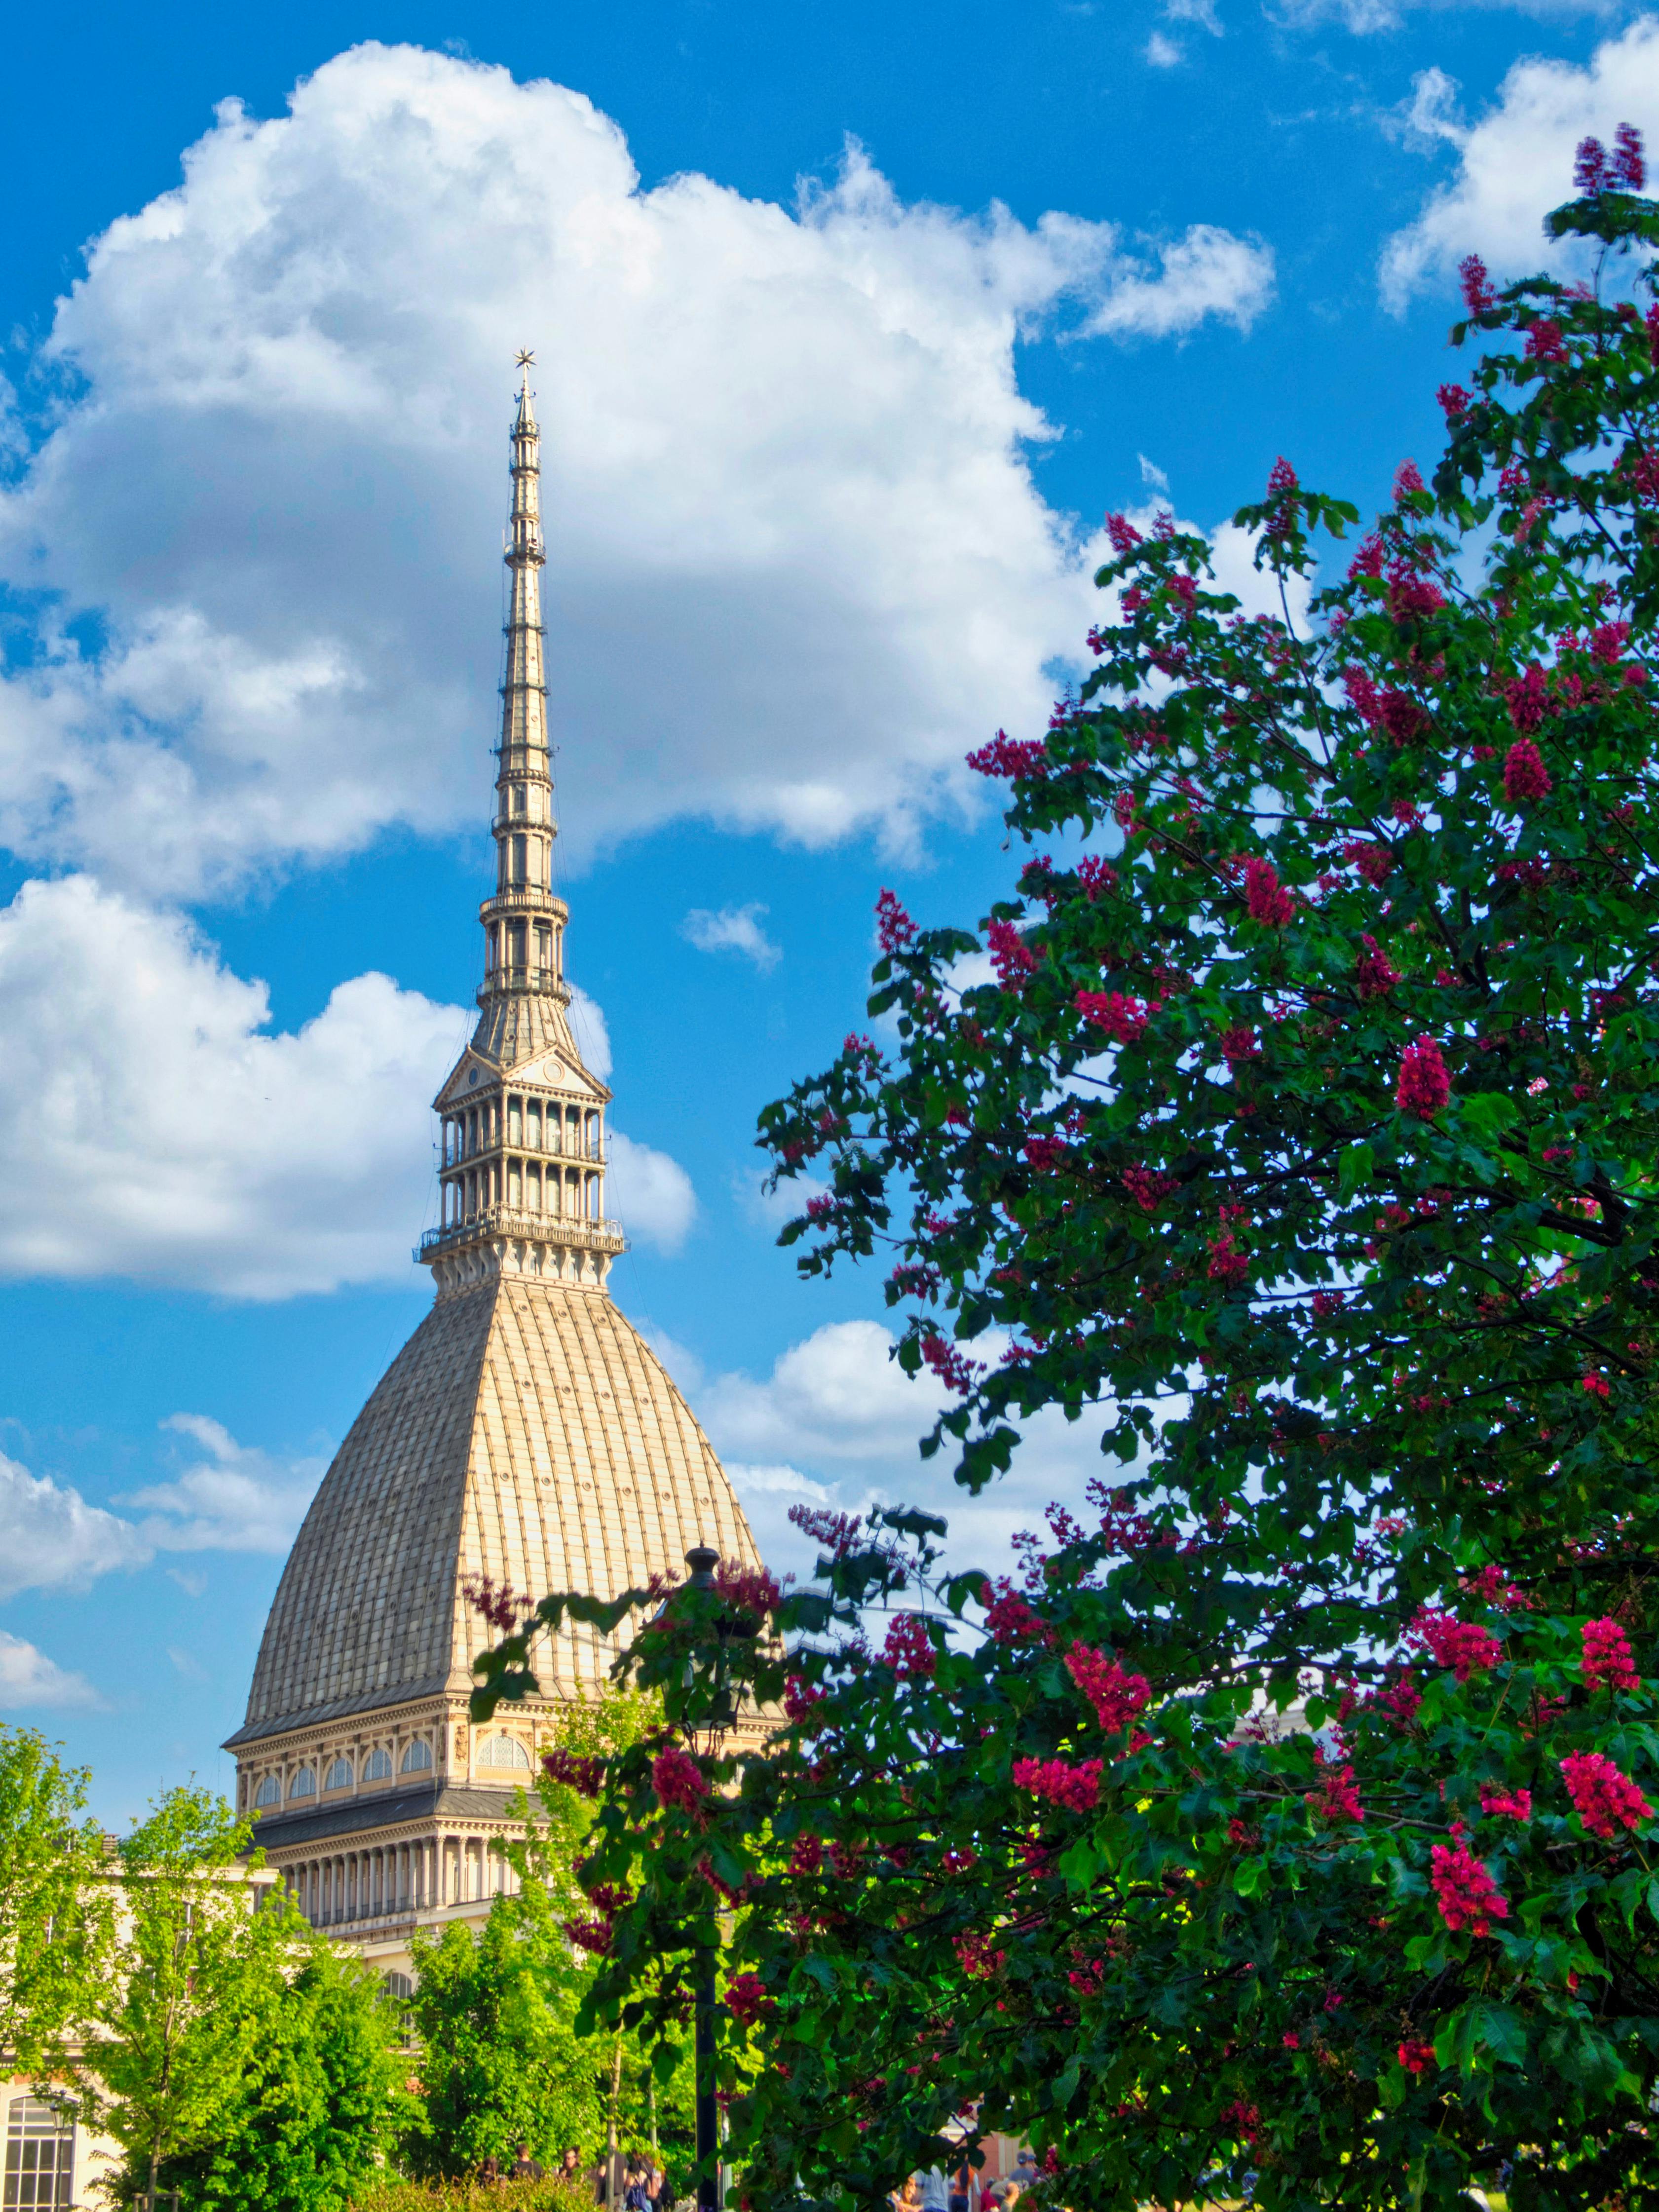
(1604, 1799)
(1009, 1620)
(1227, 1263)
(1013, 758)
(1115, 1694)
(1593, 172)
(1466, 1893)
(1415, 2057)
(1265, 897)
(1011, 955)
(1461, 1645)
(1506, 1804)
(1478, 294)
(678, 1780)
(1423, 1087)
(894, 927)
(1374, 974)
(1337, 1797)
(1147, 1186)
(1374, 862)
(1525, 776)
(1608, 1662)
(747, 1998)
(1122, 1018)
(581, 1775)
(1076, 1787)
(908, 1649)
(953, 1368)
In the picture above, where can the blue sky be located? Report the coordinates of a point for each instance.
(852, 322)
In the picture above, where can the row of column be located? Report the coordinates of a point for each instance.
(569, 1132)
(389, 1878)
(567, 1193)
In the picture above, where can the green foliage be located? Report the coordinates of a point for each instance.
(1308, 1137)
(479, 2196)
(319, 2103)
(227, 2051)
(170, 2032)
(54, 1920)
(506, 2057)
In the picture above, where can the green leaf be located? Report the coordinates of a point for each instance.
(1355, 1167)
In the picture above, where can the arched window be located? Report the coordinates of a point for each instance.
(338, 1776)
(304, 1784)
(397, 1986)
(377, 1764)
(503, 1751)
(418, 1758)
(39, 2156)
(269, 1792)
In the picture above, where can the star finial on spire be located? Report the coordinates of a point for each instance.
(524, 358)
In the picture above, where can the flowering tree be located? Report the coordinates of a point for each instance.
(1307, 1132)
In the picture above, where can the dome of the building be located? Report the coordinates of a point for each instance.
(526, 1432)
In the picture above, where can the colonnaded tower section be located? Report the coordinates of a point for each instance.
(526, 1432)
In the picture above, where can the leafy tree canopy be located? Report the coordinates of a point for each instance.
(1305, 1137)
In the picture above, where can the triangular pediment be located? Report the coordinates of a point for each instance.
(559, 1071)
(470, 1075)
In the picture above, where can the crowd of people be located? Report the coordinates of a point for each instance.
(635, 2184)
(962, 2189)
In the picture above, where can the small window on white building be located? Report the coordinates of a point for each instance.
(338, 1776)
(304, 1784)
(40, 2157)
(269, 1792)
(503, 1751)
(377, 1764)
(397, 1986)
(418, 1757)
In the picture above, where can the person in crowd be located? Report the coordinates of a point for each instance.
(526, 2168)
(636, 2185)
(570, 2164)
(935, 2190)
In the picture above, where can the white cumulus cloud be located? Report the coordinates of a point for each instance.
(1515, 162)
(30, 1680)
(52, 1538)
(837, 1424)
(785, 483)
(158, 1128)
(234, 1498)
(733, 929)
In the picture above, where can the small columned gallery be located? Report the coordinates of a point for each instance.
(533, 1155)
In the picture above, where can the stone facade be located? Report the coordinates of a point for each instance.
(526, 1432)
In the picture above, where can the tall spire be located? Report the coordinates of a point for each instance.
(523, 1150)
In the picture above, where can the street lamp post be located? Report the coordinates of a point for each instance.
(702, 1562)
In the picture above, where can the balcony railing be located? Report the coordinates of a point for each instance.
(515, 978)
(568, 1229)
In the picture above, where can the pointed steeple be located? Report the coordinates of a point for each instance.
(523, 1154)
